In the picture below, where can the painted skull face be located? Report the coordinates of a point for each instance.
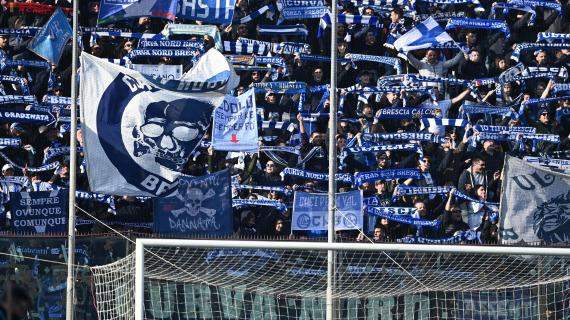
(168, 133)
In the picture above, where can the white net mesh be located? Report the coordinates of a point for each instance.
(188, 283)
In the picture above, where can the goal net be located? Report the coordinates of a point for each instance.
(185, 282)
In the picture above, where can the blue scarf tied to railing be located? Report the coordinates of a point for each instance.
(461, 236)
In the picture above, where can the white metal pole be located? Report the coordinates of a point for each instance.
(391, 247)
(332, 168)
(70, 289)
(139, 280)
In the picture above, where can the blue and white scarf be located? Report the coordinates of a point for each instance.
(270, 9)
(174, 53)
(263, 188)
(22, 32)
(129, 35)
(551, 37)
(394, 62)
(403, 136)
(102, 198)
(434, 122)
(344, 177)
(469, 23)
(300, 10)
(406, 113)
(56, 152)
(521, 47)
(389, 174)
(49, 99)
(439, 16)
(259, 202)
(549, 162)
(485, 109)
(537, 3)
(373, 21)
(283, 87)
(384, 147)
(403, 190)
(21, 82)
(563, 88)
(283, 30)
(462, 195)
(461, 236)
(507, 7)
(46, 167)
(544, 101)
(12, 99)
(164, 44)
(5, 63)
(10, 142)
(503, 129)
(387, 213)
(239, 47)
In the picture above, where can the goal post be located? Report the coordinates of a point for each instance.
(233, 279)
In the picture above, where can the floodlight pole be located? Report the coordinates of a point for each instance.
(332, 167)
(70, 288)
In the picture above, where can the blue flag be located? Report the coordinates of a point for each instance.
(424, 35)
(200, 205)
(39, 212)
(210, 11)
(50, 40)
(116, 10)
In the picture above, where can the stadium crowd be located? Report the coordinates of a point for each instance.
(458, 161)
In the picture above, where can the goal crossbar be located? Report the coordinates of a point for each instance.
(143, 243)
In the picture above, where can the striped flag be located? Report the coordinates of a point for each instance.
(423, 36)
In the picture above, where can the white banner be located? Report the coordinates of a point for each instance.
(310, 211)
(235, 124)
(535, 204)
(138, 135)
(160, 71)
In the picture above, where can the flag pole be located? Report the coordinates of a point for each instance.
(332, 166)
(70, 288)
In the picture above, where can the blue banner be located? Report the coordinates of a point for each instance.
(210, 11)
(39, 212)
(200, 205)
(310, 211)
(50, 40)
(116, 10)
(235, 124)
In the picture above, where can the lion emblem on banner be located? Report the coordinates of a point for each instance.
(552, 219)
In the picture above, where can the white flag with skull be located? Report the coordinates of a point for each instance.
(138, 134)
(535, 204)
